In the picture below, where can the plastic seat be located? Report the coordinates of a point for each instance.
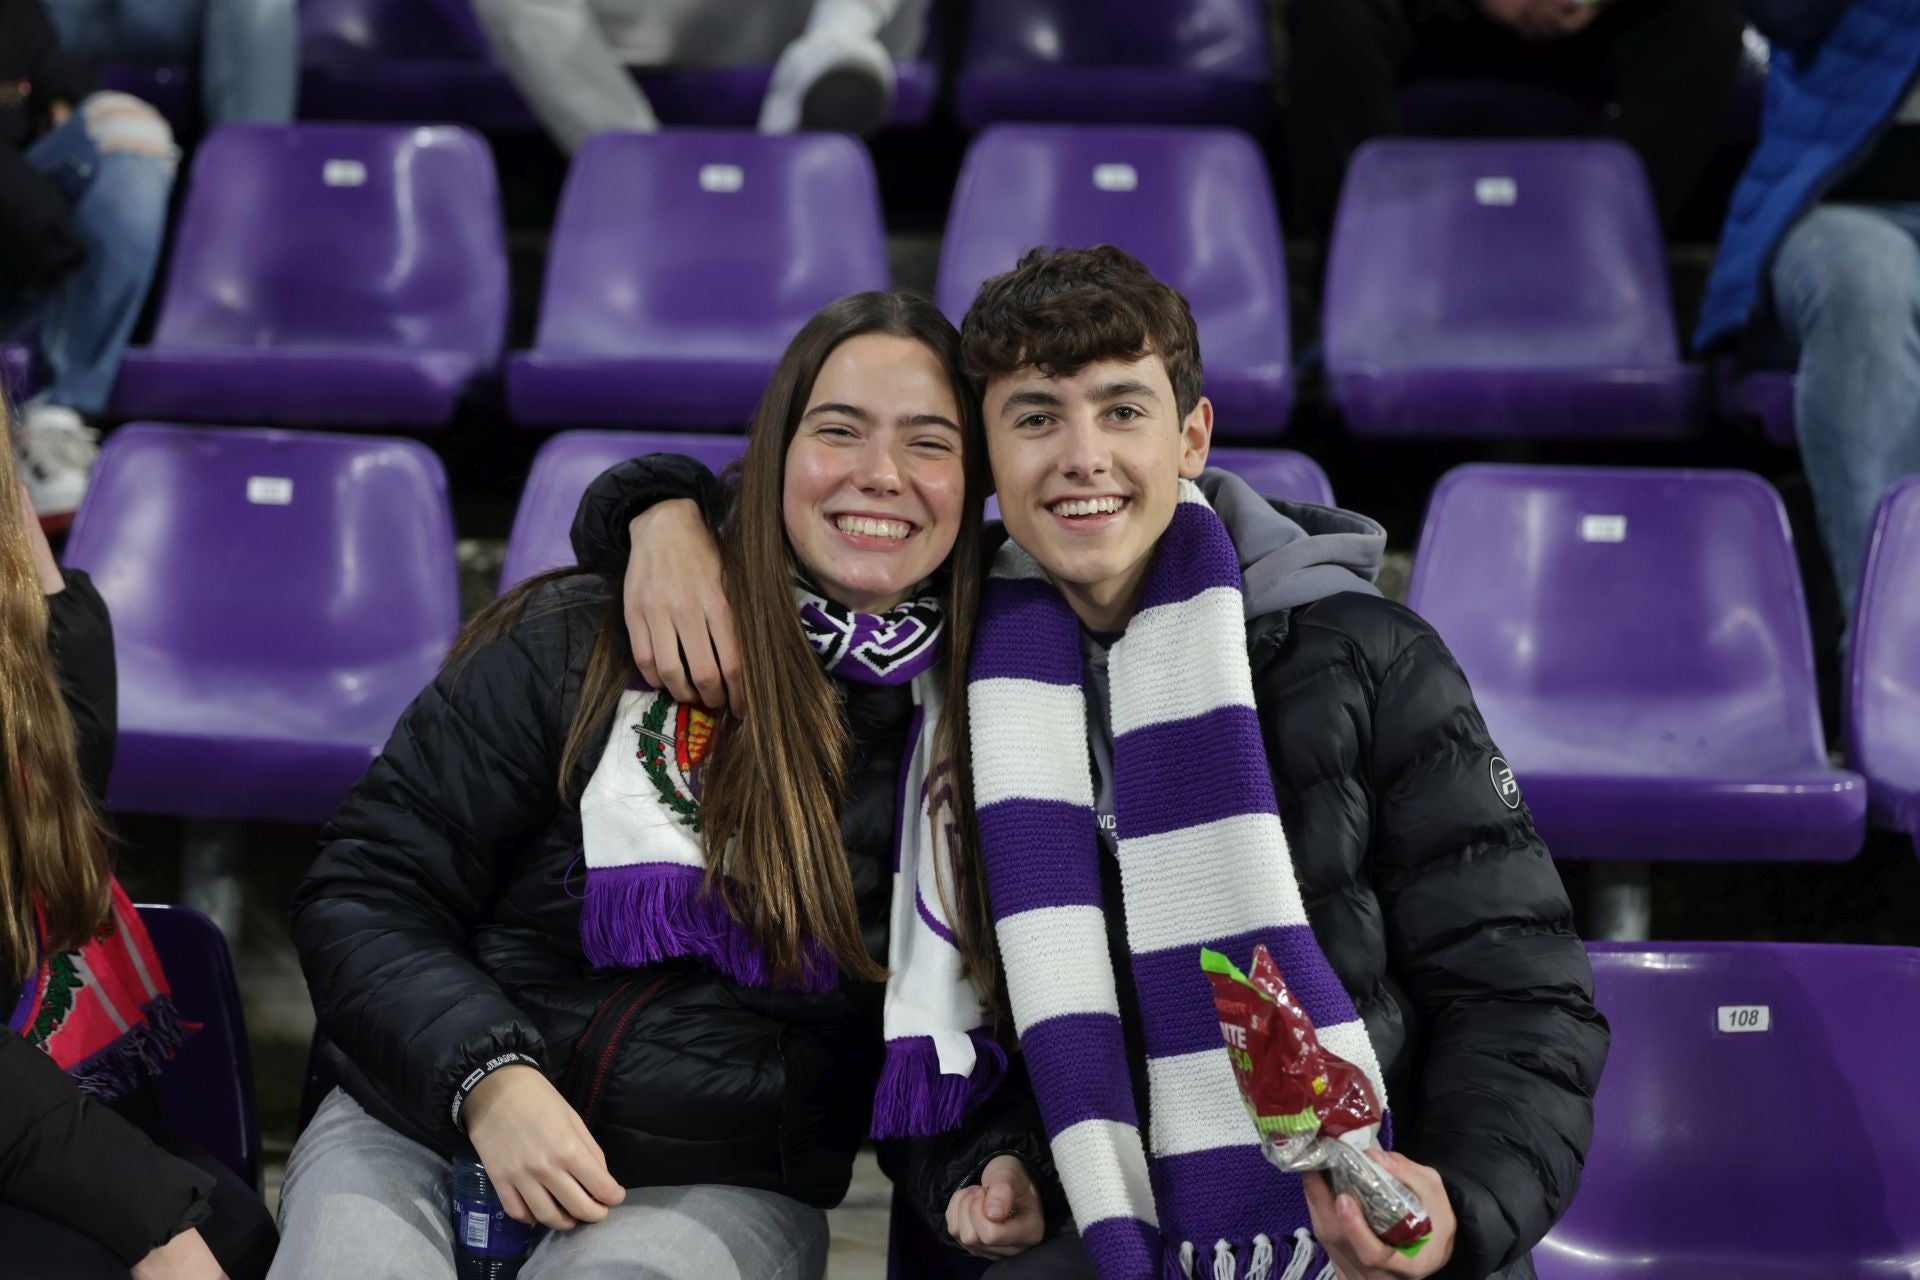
(683, 263)
(327, 274)
(1764, 396)
(1639, 645)
(1195, 205)
(561, 472)
(1122, 62)
(429, 60)
(1277, 473)
(1755, 1118)
(16, 371)
(1503, 288)
(1883, 659)
(206, 1090)
(277, 598)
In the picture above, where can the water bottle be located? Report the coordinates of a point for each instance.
(487, 1244)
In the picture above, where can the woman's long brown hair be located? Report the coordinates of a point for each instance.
(775, 780)
(52, 848)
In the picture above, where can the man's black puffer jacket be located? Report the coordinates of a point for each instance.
(440, 931)
(1435, 902)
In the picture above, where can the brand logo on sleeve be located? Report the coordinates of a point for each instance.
(1505, 785)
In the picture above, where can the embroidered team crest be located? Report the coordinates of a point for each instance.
(673, 761)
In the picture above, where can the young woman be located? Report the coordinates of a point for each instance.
(91, 1186)
(665, 968)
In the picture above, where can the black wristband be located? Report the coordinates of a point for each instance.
(481, 1072)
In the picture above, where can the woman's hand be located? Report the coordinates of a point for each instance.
(185, 1257)
(676, 608)
(538, 1154)
(1001, 1216)
(1356, 1252)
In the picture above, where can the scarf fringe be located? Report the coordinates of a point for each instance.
(650, 913)
(916, 1099)
(138, 1056)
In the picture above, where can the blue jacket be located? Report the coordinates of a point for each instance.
(1839, 74)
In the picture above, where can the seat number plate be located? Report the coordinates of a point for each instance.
(1738, 1019)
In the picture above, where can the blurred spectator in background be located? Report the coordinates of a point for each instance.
(245, 51)
(1821, 252)
(833, 59)
(84, 180)
(1665, 70)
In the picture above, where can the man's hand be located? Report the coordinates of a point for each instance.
(537, 1151)
(1542, 19)
(676, 608)
(1001, 1216)
(185, 1257)
(1356, 1252)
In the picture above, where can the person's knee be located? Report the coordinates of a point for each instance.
(1847, 266)
(120, 122)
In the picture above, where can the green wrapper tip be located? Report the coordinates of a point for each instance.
(1413, 1250)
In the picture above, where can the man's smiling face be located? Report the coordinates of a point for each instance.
(1087, 467)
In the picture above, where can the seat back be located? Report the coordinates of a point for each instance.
(1883, 661)
(1624, 620)
(1471, 254)
(1195, 205)
(708, 241)
(363, 236)
(206, 1090)
(1204, 36)
(1277, 473)
(318, 567)
(1755, 1116)
(561, 472)
(391, 30)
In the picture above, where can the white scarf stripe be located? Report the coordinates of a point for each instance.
(1004, 714)
(1070, 970)
(1209, 887)
(1195, 1104)
(1112, 1169)
(1161, 641)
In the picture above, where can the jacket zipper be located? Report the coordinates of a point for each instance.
(602, 1052)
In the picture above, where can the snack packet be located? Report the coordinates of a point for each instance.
(1303, 1099)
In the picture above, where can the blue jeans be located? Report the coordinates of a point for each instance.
(119, 200)
(1846, 288)
(246, 51)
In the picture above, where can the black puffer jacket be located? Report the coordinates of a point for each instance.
(440, 933)
(1435, 902)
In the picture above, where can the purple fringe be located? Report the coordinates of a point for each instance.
(914, 1099)
(136, 1057)
(652, 912)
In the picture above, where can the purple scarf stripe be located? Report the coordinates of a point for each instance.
(1237, 1194)
(1023, 635)
(888, 649)
(136, 1057)
(654, 912)
(925, 913)
(1195, 554)
(1042, 831)
(1088, 1048)
(1125, 1247)
(1182, 773)
(1171, 981)
(913, 1098)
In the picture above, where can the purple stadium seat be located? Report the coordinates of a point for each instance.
(1122, 62)
(1639, 645)
(206, 1091)
(327, 274)
(1195, 205)
(682, 264)
(1277, 473)
(1503, 288)
(1764, 396)
(1755, 1118)
(1883, 677)
(16, 371)
(429, 60)
(561, 472)
(278, 598)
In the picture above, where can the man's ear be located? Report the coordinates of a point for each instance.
(1196, 438)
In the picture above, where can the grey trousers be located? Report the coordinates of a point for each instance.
(361, 1202)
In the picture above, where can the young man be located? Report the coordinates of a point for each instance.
(1195, 723)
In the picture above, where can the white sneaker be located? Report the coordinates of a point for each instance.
(54, 449)
(829, 81)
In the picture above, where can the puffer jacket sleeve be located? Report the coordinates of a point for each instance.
(411, 862)
(1479, 930)
(929, 1170)
(68, 1159)
(618, 494)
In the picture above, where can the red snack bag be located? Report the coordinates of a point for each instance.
(1303, 1098)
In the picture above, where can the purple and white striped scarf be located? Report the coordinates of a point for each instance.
(646, 862)
(1203, 863)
